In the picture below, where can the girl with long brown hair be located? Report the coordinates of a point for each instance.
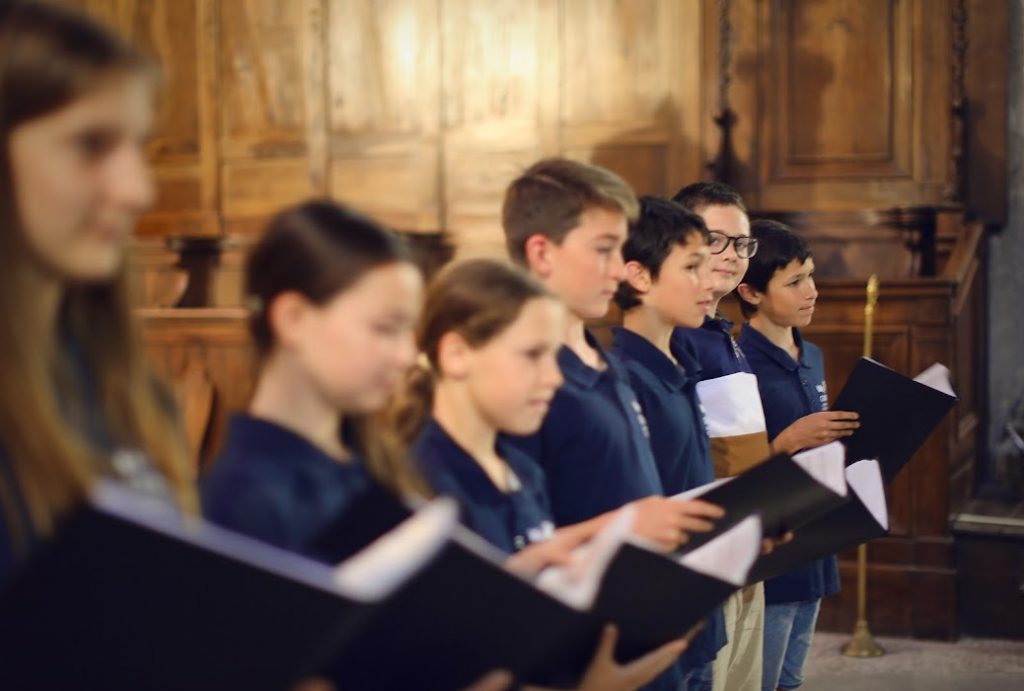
(75, 394)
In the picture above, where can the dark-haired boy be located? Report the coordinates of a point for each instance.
(777, 296)
(668, 286)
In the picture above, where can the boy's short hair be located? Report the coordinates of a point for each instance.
(661, 225)
(700, 195)
(551, 195)
(777, 246)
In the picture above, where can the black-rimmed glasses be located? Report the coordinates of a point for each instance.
(718, 242)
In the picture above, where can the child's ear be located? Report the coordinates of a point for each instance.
(750, 293)
(453, 355)
(537, 250)
(638, 276)
(287, 314)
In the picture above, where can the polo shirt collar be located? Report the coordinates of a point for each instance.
(578, 372)
(758, 341)
(638, 348)
(255, 438)
(685, 354)
(717, 323)
(447, 452)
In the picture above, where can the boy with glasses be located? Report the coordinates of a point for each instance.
(738, 666)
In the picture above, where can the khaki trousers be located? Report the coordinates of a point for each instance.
(738, 665)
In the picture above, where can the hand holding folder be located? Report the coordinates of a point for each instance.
(864, 517)
(653, 597)
(785, 491)
(131, 594)
(897, 414)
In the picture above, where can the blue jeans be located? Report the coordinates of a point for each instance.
(788, 630)
(698, 679)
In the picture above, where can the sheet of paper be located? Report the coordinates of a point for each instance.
(732, 405)
(577, 583)
(730, 555)
(826, 464)
(865, 479)
(937, 377)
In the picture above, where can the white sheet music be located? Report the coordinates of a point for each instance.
(732, 405)
(865, 478)
(577, 583)
(826, 465)
(730, 555)
(937, 377)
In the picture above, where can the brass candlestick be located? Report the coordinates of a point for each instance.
(863, 643)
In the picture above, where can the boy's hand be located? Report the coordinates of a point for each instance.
(816, 429)
(669, 522)
(769, 544)
(555, 551)
(605, 674)
(499, 680)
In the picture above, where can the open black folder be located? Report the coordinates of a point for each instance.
(864, 517)
(785, 491)
(129, 594)
(897, 413)
(465, 614)
(651, 596)
(462, 616)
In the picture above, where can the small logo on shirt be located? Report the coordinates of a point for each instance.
(736, 351)
(536, 534)
(641, 419)
(822, 395)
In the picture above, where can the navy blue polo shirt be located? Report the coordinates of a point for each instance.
(668, 395)
(593, 445)
(274, 485)
(595, 451)
(717, 351)
(508, 520)
(791, 389)
(667, 392)
(10, 554)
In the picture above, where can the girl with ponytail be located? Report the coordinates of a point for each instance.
(489, 337)
(334, 298)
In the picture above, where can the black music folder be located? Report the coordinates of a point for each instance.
(655, 598)
(130, 594)
(864, 517)
(897, 414)
(652, 597)
(785, 491)
(462, 616)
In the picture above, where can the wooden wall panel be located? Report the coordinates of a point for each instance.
(383, 84)
(263, 102)
(841, 105)
(620, 102)
(499, 109)
(265, 105)
(401, 107)
(833, 64)
(167, 29)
